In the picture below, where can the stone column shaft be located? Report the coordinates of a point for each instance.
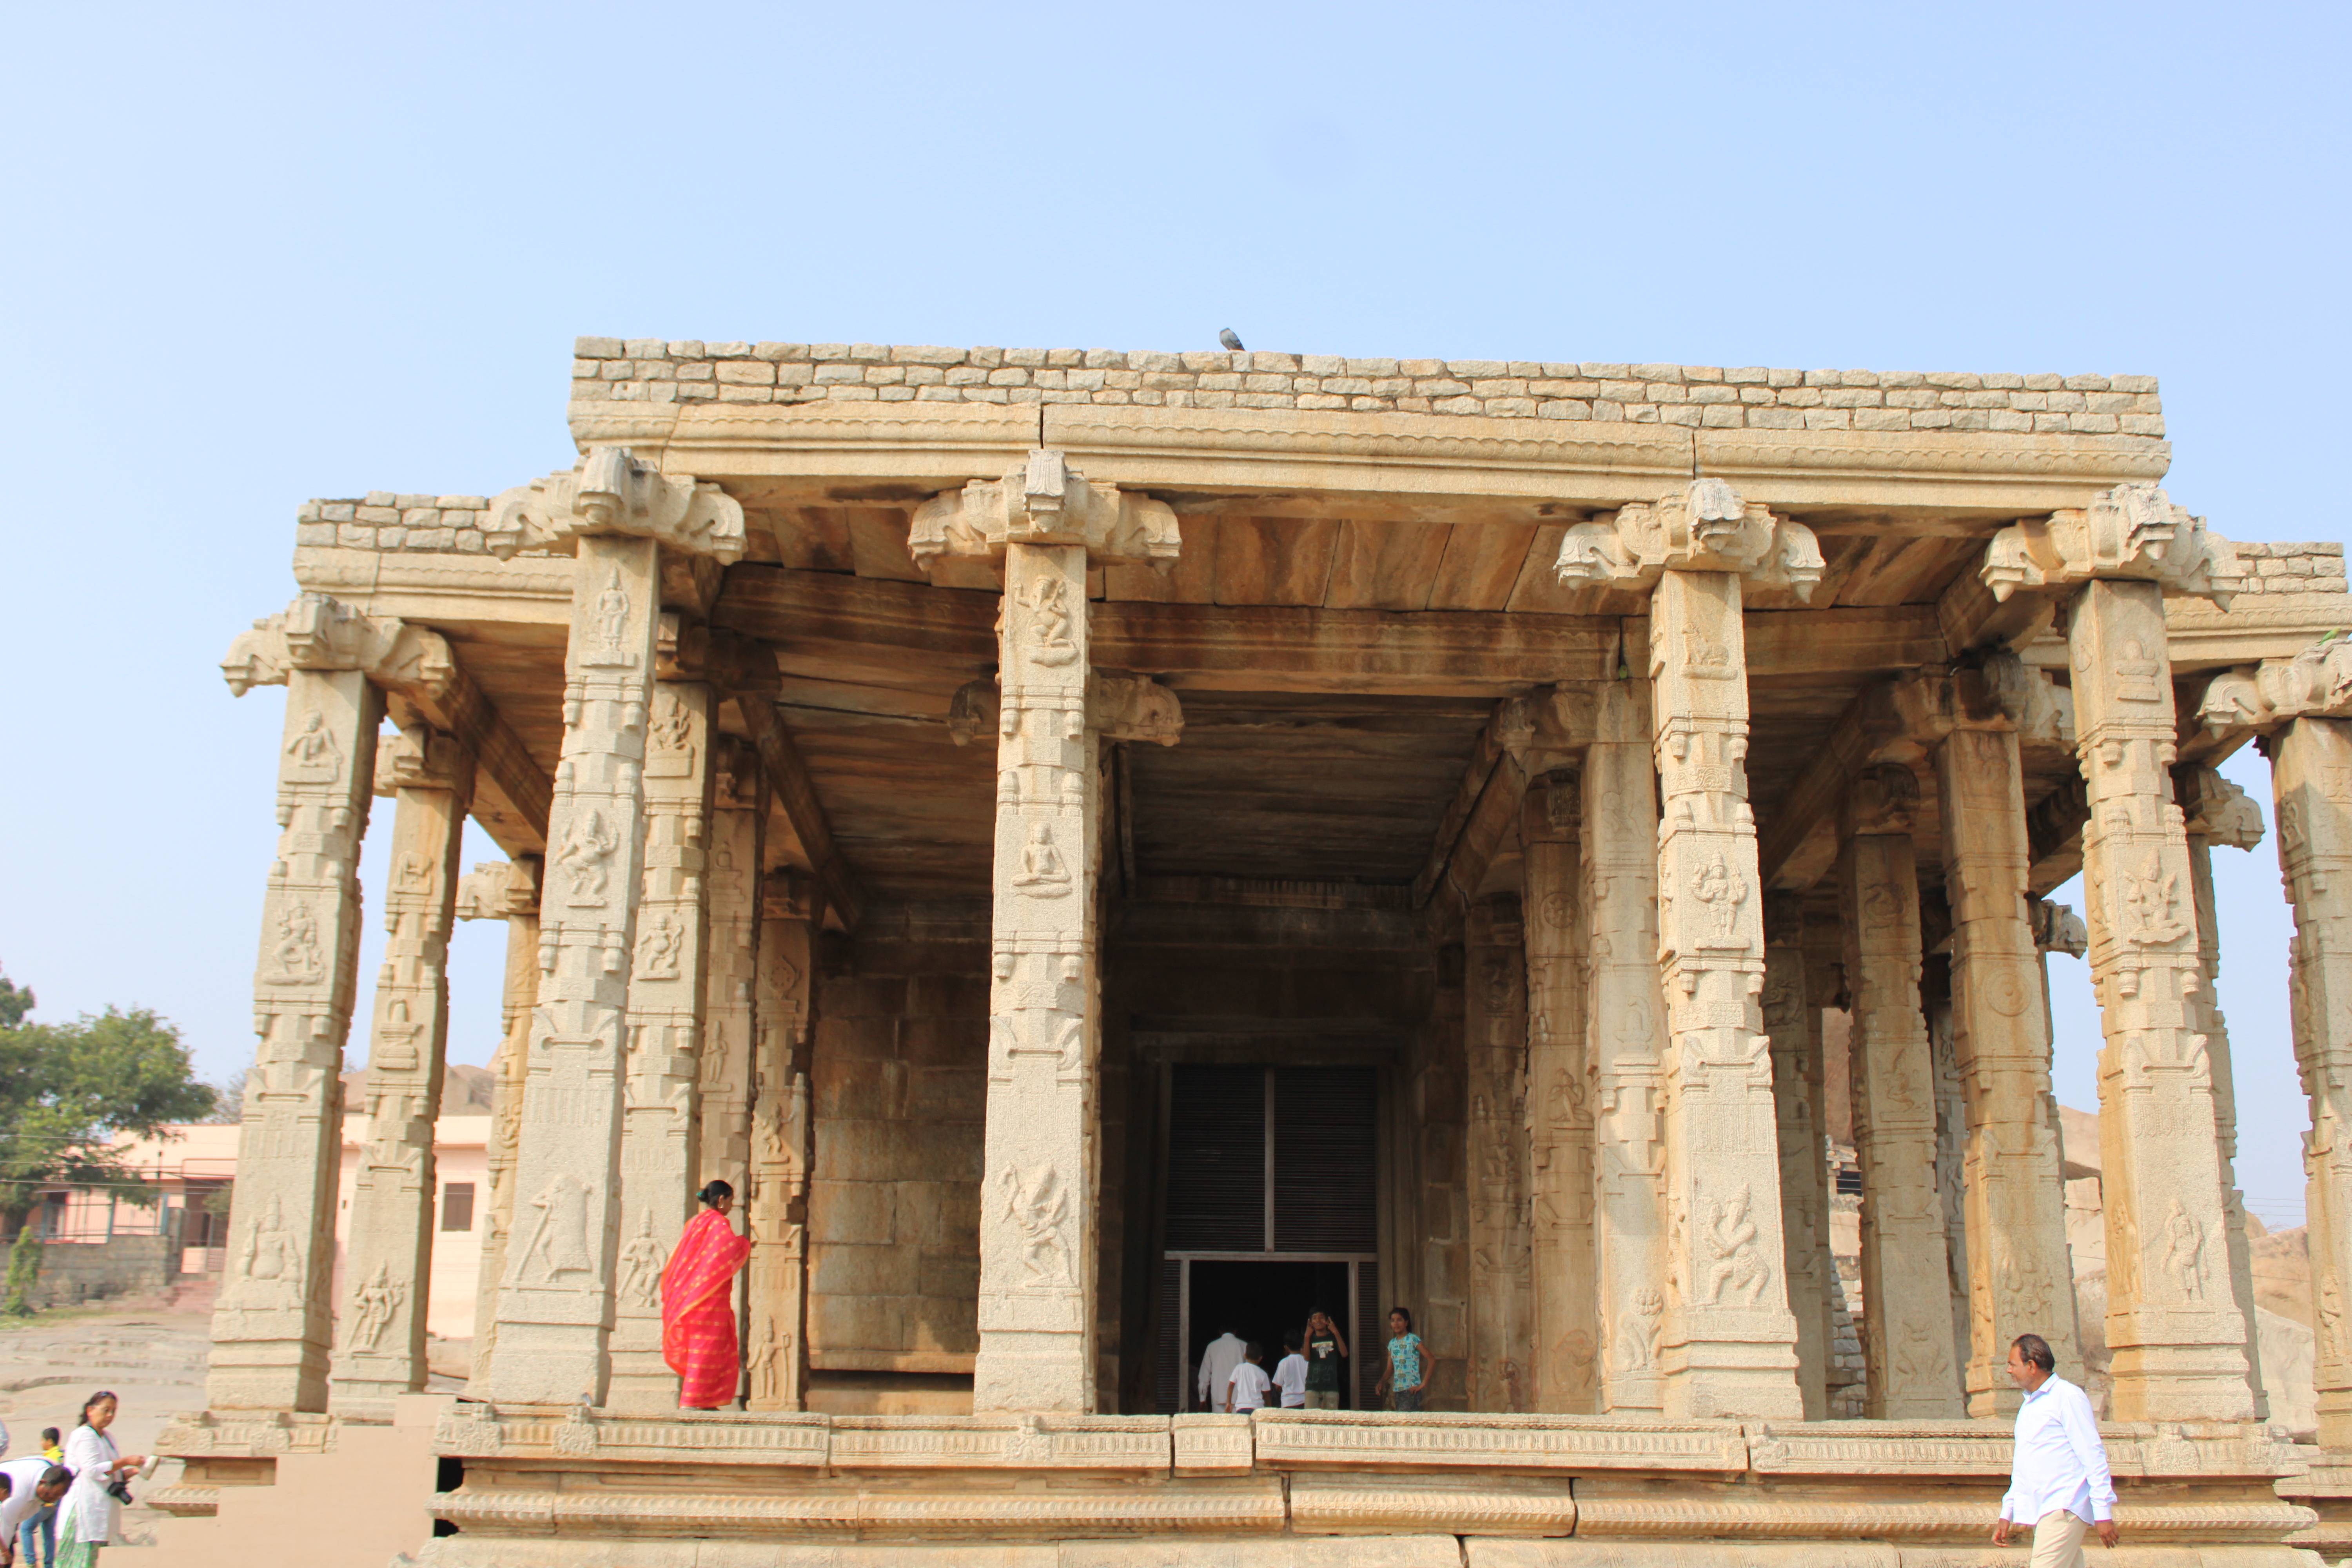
(1907, 1327)
(1729, 1344)
(1625, 1028)
(1797, 1091)
(2177, 1339)
(2311, 777)
(1502, 1310)
(389, 1276)
(776, 1339)
(511, 889)
(271, 1328)
(731, 970)
(1036, 1239)
(1559, 1107)
(2021, 1277)
(555, 1300)
(660, 1133)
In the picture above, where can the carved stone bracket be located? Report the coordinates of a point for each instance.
(2058, 929)
(1999, 691)
(2315, 684)
(1706, 526)
(1044, 502)
(1121, 707)
(316, 632)
(2133, 530)
(2217, 810)
(421, 757)
(500, 890)
(613, 492)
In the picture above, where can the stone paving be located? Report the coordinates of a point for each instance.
(153, 1360)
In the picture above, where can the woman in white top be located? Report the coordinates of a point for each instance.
(86, 1519)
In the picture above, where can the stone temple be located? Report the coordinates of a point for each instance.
(1102, 849)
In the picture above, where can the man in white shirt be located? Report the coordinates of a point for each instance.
(34, 1484)
(1246, 1391)
(1217, 1364)
(1290, 1372)
(2058, 1479)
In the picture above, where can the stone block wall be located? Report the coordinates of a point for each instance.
(606, 370)
(76, 1272)
(898, 1087)
(2314, 567)
(382, 521)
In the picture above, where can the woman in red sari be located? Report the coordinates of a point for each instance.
(698, 1292)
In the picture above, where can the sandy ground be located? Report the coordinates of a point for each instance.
(153, 1360)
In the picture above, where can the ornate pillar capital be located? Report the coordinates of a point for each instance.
(612, 491)
(421, 757)
(316, 632)
(2133, 532)
(1043, 501)
(2315, 684)
(1706, 526)
(2214, 809)
(501, 890)
(1119, 707)
(1882, 800)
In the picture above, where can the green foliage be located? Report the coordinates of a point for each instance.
(24, 1269)
(65, 1087)
(16, 1001)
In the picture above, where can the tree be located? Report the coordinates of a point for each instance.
(228, 1105)
(65, 1089)
(16, 1001)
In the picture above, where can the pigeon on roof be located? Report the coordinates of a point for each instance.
(1231, 338)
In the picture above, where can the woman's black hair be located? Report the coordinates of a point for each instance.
(101, 1398)
(1406, 1315)
(714, 1191)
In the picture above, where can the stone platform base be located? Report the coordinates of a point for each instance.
(586, 1489)
(1330, 1552)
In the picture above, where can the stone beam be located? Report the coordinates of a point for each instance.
(843, 627)
(511, 792)
(1796, 848)
(795, 796)
(1494, 769)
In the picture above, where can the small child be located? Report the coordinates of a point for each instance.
(1245, 1390)
(1290, 1372)
(49, 1446)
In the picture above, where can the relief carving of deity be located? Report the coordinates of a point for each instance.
(658, 947)
(1038, 1205)
(295, 950)
(610, 626)
(376, 1302)
(1050, 642)
(313, 753)
(641, 1265)
(1722, 890)
(1041, 875)
(1734, 1259)
(559, 1234)
(586, 857)
(2184, 1252)
(2149, 900)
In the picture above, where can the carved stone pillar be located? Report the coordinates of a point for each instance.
(271, 1328)
(2019, 1276)
(660, 1135)
(1625, 1028)
(556, 1299)
(776, 1334)
(1037, 1234)
(508, 890)
(1502, 1310)
(2177, 1337)
(2216, 811)
(2179, 1340)
(731, 971)
(1908, 1328)
(1797, 1088)
(1729, 1342)
(2311, 775)
(1559, 1107)
(388, 1278)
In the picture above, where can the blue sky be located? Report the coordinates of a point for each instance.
(264, 253)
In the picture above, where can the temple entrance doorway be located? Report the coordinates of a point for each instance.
(1272, 1211)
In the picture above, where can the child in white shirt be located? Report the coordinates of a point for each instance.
(1290, 1372)
(1245, 1390)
